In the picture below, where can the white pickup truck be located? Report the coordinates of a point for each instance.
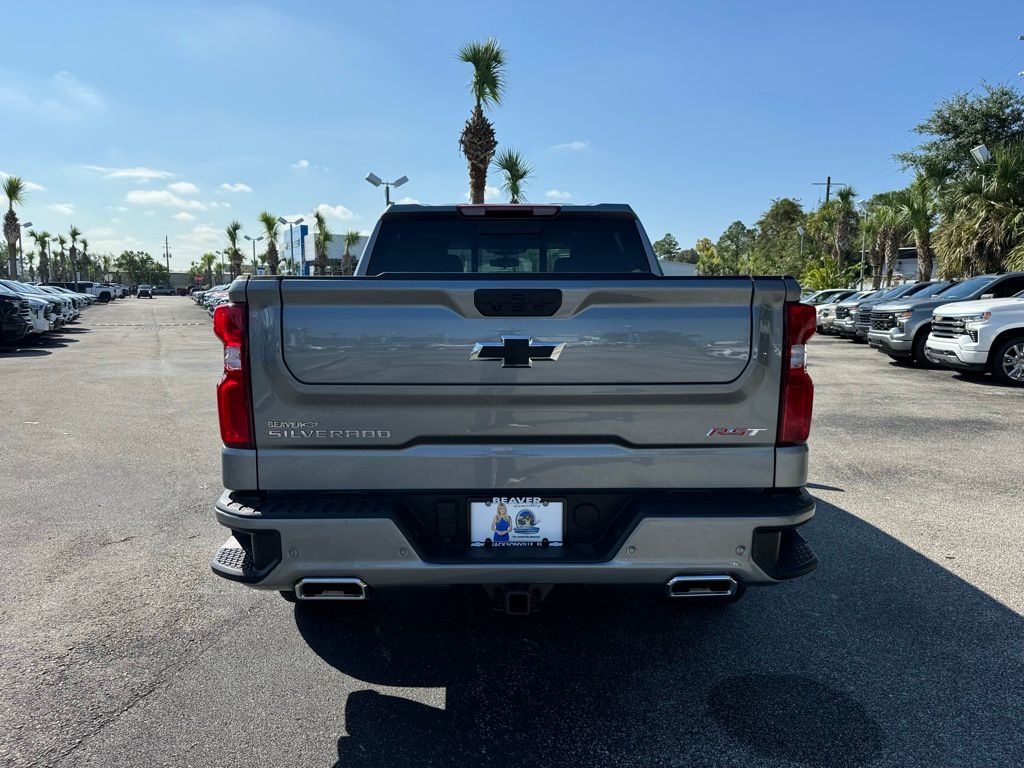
(979, 336)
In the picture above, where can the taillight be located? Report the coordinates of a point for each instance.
(229, 323)
(797, 388)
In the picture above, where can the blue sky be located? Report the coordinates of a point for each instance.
(141, 120)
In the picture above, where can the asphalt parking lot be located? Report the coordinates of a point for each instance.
(120, 647)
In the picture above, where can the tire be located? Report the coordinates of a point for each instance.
(1007, 362)
(919, 341)
(105, 297)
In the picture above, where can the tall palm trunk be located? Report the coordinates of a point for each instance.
(478, 144)
(925, 255)
(11, 229)
(44, 266)
(272, 258)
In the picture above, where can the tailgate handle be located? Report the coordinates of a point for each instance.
(517, 302)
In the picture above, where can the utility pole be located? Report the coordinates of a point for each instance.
(827, 184)
(167, 257)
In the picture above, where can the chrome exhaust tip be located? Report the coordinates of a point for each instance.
(331, 589)
(716, 585)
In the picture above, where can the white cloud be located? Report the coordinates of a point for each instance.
(408, 201)
(62, 97)
(100, 232)
(183, 188)
(557, 194)
(65, 209)
(236, 187)
(335, 211)
(140, 173)
(30, 186)
(163, 198)
(201, 236)
(301, 164)
(217, 204)
(183, 216)
(120, 208)
(75, 91)
(575, 145)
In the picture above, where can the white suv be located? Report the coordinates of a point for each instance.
(979, 336)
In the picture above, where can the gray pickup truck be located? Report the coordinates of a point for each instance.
(515, 397)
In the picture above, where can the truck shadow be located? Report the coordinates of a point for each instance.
(880, 656)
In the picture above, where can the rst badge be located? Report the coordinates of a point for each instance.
(734, 431)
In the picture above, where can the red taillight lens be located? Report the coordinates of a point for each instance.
(797, 388)
(229, 323)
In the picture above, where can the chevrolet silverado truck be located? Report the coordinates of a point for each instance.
(979, 336)
(513, 397)
(900, 328)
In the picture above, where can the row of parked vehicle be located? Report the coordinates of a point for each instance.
(212, 297)
(28, 311)
(975, 325)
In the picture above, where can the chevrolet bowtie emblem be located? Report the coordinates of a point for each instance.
(517, 351)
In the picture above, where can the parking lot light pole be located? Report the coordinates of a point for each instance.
(801, 231)
(253, 240)
(378, 181)
(21, 250)
(291, 233)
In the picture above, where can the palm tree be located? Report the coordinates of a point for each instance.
(207, 260)
(351, 238)
(515, 171)
(890, 228)
(477, 140)
(234, 252)
(62, 260)
(982, 227)
(107, 265)
(14, 191)
(84, 260)
(42, 241)
(30, 257)
(321, 240)
(74, 234)
(271, 232)
(917, 205)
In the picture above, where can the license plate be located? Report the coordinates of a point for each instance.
(516, 522)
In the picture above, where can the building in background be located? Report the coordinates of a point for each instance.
(335, 250)
(296, 249)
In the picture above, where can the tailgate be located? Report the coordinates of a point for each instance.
(414, 332)
(372, 383)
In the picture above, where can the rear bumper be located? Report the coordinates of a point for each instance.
(278, 541)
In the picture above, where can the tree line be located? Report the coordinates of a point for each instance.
(963, 214)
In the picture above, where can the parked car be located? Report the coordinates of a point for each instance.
(900, 329)
(820, 297)
(15, 318)
(844, 320)
(862, 315)
(163, 290)
(826, 309)
(369, 439)
(101, 292)
(27, 290)
(144, 292)
(980, 336)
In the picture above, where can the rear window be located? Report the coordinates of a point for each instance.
(567, 244)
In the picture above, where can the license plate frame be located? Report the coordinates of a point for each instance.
(545, 530)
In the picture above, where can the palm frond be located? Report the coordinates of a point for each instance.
(14, 190)
(515, 171)
(488, 61)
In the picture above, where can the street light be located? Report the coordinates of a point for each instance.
(291, 235)
(981, 154)
(253, 240)
(221, 254)
(863, 205)
(21, 250)
(377, 181)
(801, 231)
